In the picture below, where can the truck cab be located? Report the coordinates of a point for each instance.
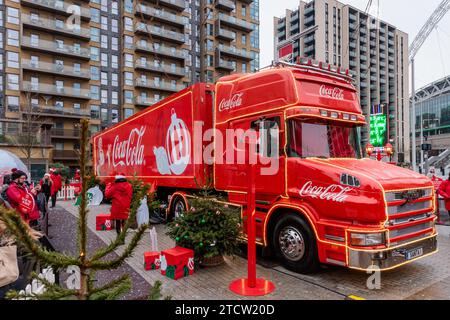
(319, 200)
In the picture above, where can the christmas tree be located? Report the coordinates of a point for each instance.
(88, 264)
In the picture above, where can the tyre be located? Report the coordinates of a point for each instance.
(294, 243)
(177, 207)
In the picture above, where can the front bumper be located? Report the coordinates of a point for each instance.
(390, 258)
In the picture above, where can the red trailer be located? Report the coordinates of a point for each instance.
(317, 199)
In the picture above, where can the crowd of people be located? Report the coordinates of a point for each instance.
(30, 201)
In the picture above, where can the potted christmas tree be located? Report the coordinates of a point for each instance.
(210, 227)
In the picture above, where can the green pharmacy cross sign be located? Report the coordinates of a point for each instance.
(378, 130)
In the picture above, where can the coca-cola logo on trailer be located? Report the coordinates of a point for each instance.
(233, 103)
(128, 152)
(333, 93)
(334, 192)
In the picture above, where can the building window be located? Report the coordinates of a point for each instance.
(128, 22)
(104, 23)
(104, 41)
(12, 81)
(95, 15)
(12, 60)
(104, 62)
(115, 25)
(128, 112)
(114, 98)
(129, 60)
(12, 103)
(114, 115)
(95, 54)
(95, 112)
(114, 61)
(104, 96)
(12, 15)
(95, 34)
(244, 39)
(129, 42)
(128, 96)
(95, 93)
(114, 79)
(244, 10)
(104, 115)
(95, 73)
(128, 78)
(114, 43)
(104, 77)
(12, 37)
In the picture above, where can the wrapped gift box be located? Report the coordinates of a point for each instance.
(177, 262)
(103, 222)
(151, 260)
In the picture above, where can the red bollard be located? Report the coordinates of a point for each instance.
(251, 286)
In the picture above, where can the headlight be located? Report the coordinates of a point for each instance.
(367, 239)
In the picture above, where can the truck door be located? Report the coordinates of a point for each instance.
(269, 175)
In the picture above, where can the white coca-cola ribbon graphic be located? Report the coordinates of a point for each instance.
(129, 152)
(234, 102)
(334, 192)
(333, 93)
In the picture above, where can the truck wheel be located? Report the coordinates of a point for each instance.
(295, 245)
(177, 208)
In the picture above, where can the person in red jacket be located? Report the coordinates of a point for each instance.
(444, 191)
(121, 193)
(56, 185)
(21, 198)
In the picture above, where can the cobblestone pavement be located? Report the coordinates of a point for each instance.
(428, 278)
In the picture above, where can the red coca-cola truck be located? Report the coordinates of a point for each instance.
(317, 199)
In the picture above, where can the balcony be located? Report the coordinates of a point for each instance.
(65, 133)
(237, 53)
(65, 155)
(175, 71)
(144, 101)
(178, 5)
(161, 15)
(161, 33)
(309, 21)
(225, 5)
(56, 26)
(55, 111)
(57, 6)
(53, 90)
(236, 23)
(223, 64)
(309, 39)
(309, 10)
(53, 47)
(52, 68)
(14, 136)
(158, 85)
(161, 50)
(224, 34)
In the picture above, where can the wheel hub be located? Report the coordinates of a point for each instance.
(291, 243)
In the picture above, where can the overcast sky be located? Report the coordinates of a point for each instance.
(432, 61)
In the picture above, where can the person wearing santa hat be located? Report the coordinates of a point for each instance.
(121, 193)
(56, 185)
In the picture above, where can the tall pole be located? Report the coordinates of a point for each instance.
(421, 142)
(413, 119)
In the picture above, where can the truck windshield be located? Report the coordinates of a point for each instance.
(317, 139)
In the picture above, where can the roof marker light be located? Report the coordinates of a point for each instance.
(323, 113)
(354, 118)
(334, 115)
(346, 116)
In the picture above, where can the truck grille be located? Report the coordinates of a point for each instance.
(410, 215)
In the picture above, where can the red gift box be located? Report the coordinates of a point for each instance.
(151, 260)
(177, 262)
(103, 222)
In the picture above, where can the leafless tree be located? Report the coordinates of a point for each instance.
(31, 134)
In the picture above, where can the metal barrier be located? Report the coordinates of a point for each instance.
(66, 193)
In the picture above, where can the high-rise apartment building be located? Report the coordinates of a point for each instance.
(107, 59)
(375, 52)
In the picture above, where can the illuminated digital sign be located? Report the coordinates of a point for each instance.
(378, 130)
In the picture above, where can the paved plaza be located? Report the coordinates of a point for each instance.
(428, 278)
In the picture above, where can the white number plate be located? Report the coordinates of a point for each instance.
(413, 253)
